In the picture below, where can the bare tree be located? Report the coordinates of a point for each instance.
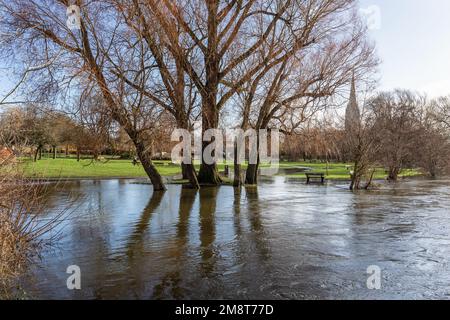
(80, 60)
(170, 87)
(221, 36)
(322, 47)
(432, 152)
(441, 111)
(396, 120)
(363, 146)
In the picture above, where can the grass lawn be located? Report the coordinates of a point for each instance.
(70, 168)
(340, 171)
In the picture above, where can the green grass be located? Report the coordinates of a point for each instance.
(340, 171)
(114, 168)
(70, 168)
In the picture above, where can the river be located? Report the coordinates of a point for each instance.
(281, 240)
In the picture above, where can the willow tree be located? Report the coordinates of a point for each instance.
(220, 47)
(320, 50)
(283, 54)
(170, 87)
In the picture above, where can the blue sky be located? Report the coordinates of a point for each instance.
(413, 41)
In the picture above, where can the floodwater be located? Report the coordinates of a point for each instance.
(282, 240)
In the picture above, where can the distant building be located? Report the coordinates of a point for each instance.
(352, 114)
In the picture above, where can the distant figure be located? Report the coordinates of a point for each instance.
(135, 161)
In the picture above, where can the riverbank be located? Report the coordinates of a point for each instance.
(69, 168)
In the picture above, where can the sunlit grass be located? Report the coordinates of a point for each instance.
(70, 168)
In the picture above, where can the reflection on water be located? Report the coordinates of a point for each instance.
(282, 240)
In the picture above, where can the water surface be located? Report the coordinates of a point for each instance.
(281, 240)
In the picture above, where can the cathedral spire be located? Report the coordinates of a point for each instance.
(352, 114)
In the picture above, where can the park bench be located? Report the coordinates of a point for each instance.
(311, 176)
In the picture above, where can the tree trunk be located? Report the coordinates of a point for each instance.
(369, 183)
(40, 153)
(78, 155)
(184, 173)
(393, 174)
(354, 183)
(209, 174)
(146, 161)
(190, 174)
(237, 167)
(54, 153)
(251, 176)
(433, 171)
(36, 153)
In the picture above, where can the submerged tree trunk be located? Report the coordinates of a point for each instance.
(237, 167)
(354, 185)
(393, 174)
(190, 174)
(209, 174)
(355, 176)
(146, 161)
(251, 176)
(369, 183)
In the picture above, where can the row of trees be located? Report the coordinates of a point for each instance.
(401, 130)
(398, 130)
(270, 64)
(30, 130)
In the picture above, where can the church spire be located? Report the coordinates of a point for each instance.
(352, 114)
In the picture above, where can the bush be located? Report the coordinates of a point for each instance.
(21, 231)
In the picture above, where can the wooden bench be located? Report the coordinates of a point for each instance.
(310, 176)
